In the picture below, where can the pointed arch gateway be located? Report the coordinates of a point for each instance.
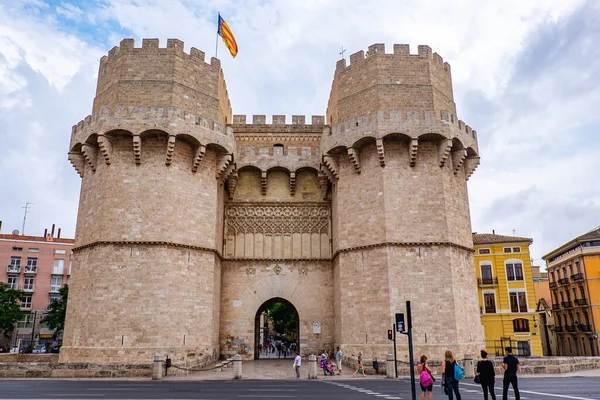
(276, 321)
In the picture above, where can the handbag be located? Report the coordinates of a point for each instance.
(477, 378)
(459, 374)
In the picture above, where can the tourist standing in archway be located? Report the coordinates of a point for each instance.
(297, 364)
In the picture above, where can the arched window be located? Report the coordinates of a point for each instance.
(521, 325)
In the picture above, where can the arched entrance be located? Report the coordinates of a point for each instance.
(276, 328)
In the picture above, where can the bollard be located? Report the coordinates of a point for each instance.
(157, 368)
(389, 366)
(237, 367)
(469, 367)
(312, 367)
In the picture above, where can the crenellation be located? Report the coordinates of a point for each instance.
(259, 119)
(278, 119)
(239, 119)
(127, 44)
(424, 51)
(402, 50)
(298, 120)
(377, 48)
(357, 57)
(197, 54)
(148, 43)
(174, 44)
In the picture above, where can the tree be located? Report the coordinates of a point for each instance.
(284, 318)
(10, 309)
(57, 311)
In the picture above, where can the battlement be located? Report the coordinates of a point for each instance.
(174, 46)
(401, 51)
(279, 120)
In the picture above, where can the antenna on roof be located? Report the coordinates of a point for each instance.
(514, 232)
(25, 216)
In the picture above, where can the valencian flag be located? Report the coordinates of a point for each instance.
(227, 36)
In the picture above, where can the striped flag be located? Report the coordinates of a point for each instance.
(227, 37)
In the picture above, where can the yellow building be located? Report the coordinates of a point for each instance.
(506, 294)
(574, 270)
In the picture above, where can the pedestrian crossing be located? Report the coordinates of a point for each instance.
(363, 390)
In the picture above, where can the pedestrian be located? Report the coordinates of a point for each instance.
(425, 378)
(360, 369)
(338, 360)
(450, 383)
(284, 349)
(487, 375)
(278, 349)
(510, 364)
(323, 362)
(297, 364)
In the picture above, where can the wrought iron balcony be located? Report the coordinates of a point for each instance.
(558, 329)
(556, 306)
(585, 328)
(29, 269)
(570, 328)
(14, 268)
(487, 281)
(553, 285)
(563, 281)
(567, 304)
(581, 302)
(577, 277)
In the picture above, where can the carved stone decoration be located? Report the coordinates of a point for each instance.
(458, 158)
(231, 184)
(198, 157)
(170, 150)
(90, 153)
(332, 166)
(105, 148)
(263, 182)
(444, 151)
(303, 271)
(77, 161)
(292, 183)
(137, 149)
(414, 145)
(222, 163)
(380, 151)
(250, 271)
(471, 164)
(277, 269)
(354, 159)
(277, 219)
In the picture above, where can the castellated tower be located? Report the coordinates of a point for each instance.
(153, 157)
(399, 160)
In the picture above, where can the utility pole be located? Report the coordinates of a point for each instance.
(27, 207)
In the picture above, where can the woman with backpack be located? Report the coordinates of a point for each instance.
(425, 378)
(449, 377)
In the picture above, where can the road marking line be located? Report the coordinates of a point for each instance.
(562, 396)
(263, 396)
(272, 390)
(393, 398)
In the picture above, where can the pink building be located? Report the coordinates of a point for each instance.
(39, 266)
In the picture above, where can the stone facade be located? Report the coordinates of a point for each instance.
(191, 218)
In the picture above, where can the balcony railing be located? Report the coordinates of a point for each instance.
(553, 285)
(14, 268)
(30, 269)
(585, 328)
(581, 302)
(556, 306)
(487, 281)
(563, 281)
(490, 310)
(570, 328)
(577, 277)
(567, 304)
(559, 329)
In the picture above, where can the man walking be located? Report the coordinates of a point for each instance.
(338, 360)
(297, 364)
(510, 366)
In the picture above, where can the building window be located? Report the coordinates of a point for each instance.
(56, 283)
(13, 281)
(578, 267)
(17, 249)
(486, 273)
(29, 284)
(523, 348)
(521, 325)
(15, 264)
(33, 250)
(53, 297)
(484, 251)
(489, 301)
(518, 302)
(59, 267)
(31, 265)
(58, 251)
(514, 271)
(508, 250)
(516, 249)
(26, 302)
(582, 290)
(553, 277)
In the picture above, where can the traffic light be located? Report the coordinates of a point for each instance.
(390, 334)
(400, 323)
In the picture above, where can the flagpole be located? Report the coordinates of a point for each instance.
(218, 27)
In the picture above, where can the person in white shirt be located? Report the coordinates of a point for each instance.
(297, 364)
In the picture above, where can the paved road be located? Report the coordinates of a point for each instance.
(347, 389)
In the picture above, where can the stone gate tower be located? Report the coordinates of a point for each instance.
(191, 219)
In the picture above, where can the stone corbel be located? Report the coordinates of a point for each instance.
(331, 165)
(413, 147)
(292, 183)
(354, 159)
(444, 148)
(323, 183)
(222, 163)
(105, 146)
(458, 158)
(471, 164)
(77, 161)
(198, 157)
(263, 182)
(170, 150)
(137, 149)
(231, 184)
(90, 153)
(380, 151)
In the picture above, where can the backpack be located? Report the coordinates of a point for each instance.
(425, 378)
(459, 374)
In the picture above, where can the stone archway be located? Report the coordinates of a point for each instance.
(262, 332)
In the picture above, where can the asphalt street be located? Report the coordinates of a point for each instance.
(576, 388)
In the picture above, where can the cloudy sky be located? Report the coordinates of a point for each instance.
(526, 77)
